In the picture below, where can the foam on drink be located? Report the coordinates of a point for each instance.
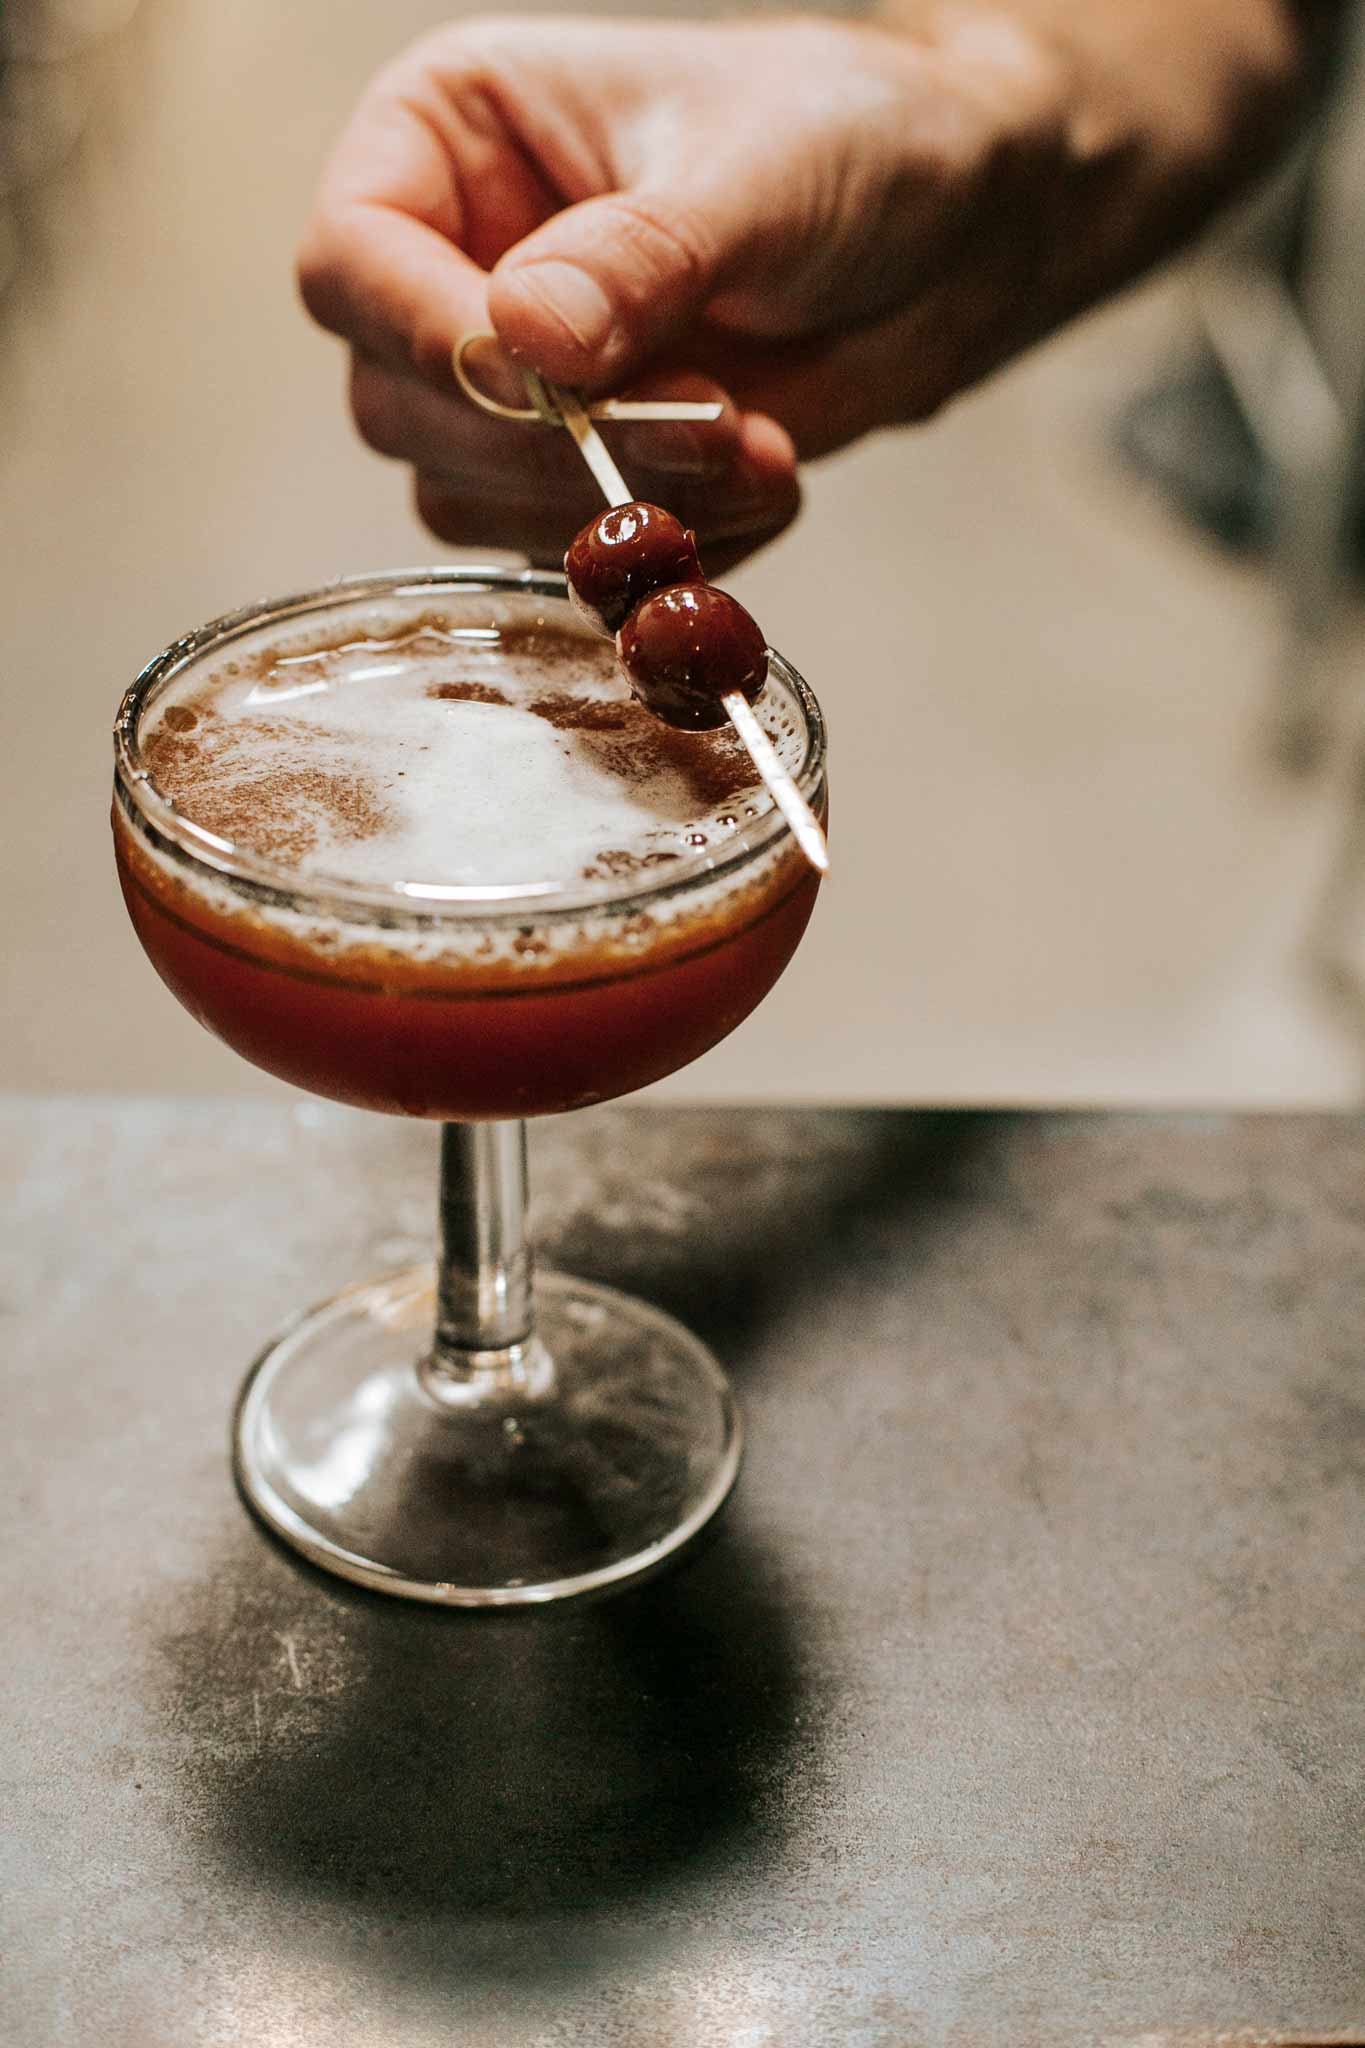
(475, 746)
(468, 744)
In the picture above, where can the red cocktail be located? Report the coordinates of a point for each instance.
(408, 843)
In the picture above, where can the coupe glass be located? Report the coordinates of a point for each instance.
(464, 1436)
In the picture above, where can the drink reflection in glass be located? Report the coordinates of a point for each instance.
(409, 843)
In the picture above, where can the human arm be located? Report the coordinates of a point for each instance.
(840, 225)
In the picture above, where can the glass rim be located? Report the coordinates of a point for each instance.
(156, 818)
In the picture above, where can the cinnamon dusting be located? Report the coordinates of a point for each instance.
(467, 693)
(280, 812)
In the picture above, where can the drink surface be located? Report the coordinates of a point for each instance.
(621, 902)
(459, 750)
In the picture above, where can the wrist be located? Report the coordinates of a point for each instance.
(1153, 113)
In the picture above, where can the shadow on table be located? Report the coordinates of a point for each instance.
(779, 1205)
(536, 1767)
(336, 1744)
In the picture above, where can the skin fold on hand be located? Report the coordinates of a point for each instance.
(830, 226)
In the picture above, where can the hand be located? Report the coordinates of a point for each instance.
(834, 227)
(629, 205)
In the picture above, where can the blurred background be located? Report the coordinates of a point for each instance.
(1091, 650)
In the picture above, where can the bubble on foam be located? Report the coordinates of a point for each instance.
(471, 745)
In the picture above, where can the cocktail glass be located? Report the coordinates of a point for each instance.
(469, 1437)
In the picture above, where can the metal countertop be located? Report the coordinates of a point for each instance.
(1018, 1699)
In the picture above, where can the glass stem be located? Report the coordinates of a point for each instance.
(484, 1309)
(483, 1295)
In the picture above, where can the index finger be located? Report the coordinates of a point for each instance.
(422, 190)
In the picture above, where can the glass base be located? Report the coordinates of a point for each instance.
(610, 1442)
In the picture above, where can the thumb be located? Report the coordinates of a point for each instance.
(591, 296)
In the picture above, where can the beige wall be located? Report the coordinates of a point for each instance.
(1063, 870)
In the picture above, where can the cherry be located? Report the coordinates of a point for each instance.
(623, 555)
(685, 647)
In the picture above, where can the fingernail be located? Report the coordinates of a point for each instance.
(719, 519)
(743, 522)
(751, 512)
(675, 449)
(575, 299)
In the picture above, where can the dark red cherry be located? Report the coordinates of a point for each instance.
(685, 647)
(623, 555)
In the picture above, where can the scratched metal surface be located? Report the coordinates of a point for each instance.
(1019, 1700)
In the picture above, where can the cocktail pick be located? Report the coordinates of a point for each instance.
(557, 406)
(542, 407)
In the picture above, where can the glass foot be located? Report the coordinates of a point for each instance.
(617, 1442)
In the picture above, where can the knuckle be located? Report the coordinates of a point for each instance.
(318, 271)
(375, 409)
(665, 238)
(462, 48)
(482, 32)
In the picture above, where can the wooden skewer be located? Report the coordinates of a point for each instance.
(591, 446)
(541, 411)
(806, 828)
(554, 404)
